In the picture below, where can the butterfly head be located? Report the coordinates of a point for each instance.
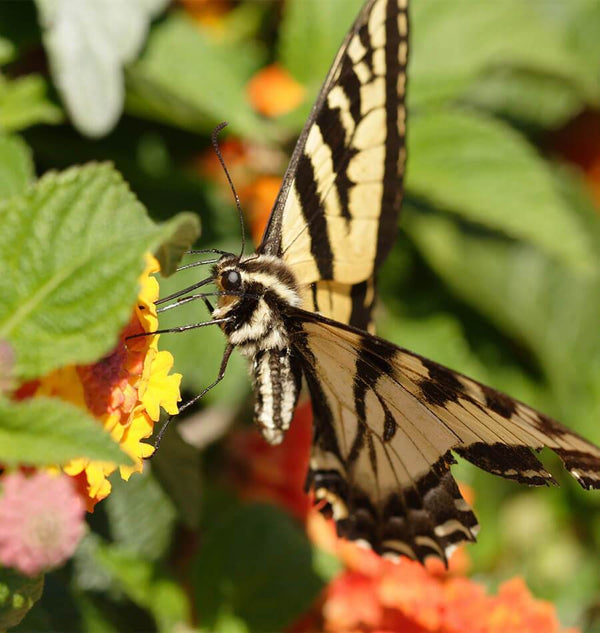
(254, 292)
(230, 281)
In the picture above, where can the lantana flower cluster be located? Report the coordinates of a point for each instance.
(42, 512)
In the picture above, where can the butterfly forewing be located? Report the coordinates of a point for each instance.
(335, 218)
(386, 421)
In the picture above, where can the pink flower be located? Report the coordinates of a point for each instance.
(41, 521)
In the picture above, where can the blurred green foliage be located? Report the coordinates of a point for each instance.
(496, 273)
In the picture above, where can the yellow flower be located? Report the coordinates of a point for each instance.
(157, 388)
(125, 390)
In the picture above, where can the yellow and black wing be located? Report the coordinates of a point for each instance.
(335, 218)
(386, 424)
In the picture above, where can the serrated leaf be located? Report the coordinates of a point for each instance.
(48, 431)
(486, 172)
(187, 78)
(17, 595)
(88, 42)
(71, 253)
(238, 571)
(140, 515)
(16, 166)
(507, 33)
(23, 102)
(184, 232)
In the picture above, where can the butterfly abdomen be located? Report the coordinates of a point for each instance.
(277, 381)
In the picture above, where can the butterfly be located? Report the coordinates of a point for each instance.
(387, 422)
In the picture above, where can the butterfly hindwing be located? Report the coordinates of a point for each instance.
(335, 218)
(386, 424)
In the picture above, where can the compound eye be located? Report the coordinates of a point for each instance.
(231, 280)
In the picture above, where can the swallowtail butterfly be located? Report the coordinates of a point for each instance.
(386, 421)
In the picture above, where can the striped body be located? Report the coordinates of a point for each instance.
(258, 329)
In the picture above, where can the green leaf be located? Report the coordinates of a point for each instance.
(17, 595)
(310, 35)
(185, 231)
(582, 22)
(188, 79)
(238, 571)
(541, 304)
(7, 51)
(537, 99)
(16, 166)
(486, 172)
(48, 431)
(71, 252)
(94, 618)
(140, 515)
(23, 103)
(507, 33)
(177, 466)
(88, 43)
(143, 583)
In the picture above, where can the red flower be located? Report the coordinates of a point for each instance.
(579, 143)
(274, 473)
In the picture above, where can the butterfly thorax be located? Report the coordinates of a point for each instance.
(257, 294)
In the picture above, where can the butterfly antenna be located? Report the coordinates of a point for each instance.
(237, 200)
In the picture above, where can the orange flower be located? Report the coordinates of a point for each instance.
(260, 197)
(374, 594)
(125, 390)
(254, 169)
(273, 91)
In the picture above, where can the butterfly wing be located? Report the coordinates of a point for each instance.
(335, 217)
(386, 424)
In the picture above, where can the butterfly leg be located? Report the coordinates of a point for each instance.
(208, 305)
(181, 328)
(222, 369)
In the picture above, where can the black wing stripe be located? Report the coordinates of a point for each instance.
(316, 223)
(362, 297)
(394, 157)
(390, 484)
(333, 133)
